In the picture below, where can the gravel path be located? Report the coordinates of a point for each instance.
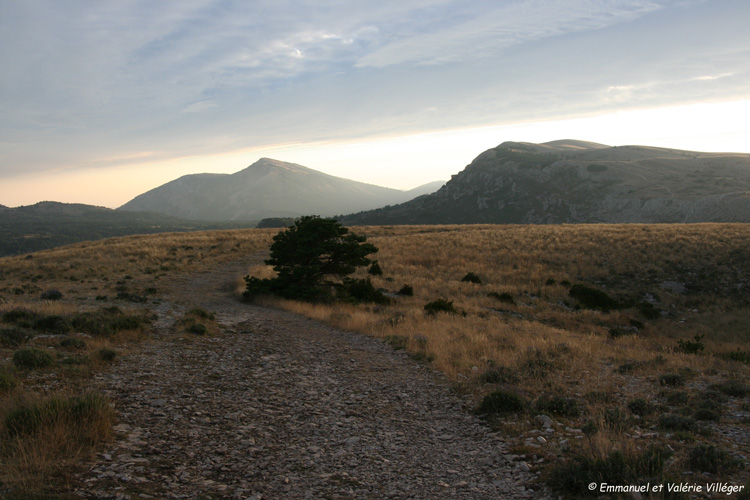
(277, 406)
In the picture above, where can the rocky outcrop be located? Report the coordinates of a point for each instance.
(579, 182)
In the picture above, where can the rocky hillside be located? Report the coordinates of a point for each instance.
(267, 188)
(582, 182)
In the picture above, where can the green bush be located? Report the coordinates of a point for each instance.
(29, 359)
(361, 290)
(12, 337)
(73, 343)
(649, 311)
(397, 342)
(709, 458)
(558, 405)
(7, 380)
(53, 324)
(695, 346)
(51, 295)
(440, 305)
(733, 388)
(640, 407)
(197, 329)
(471, 278)
(106, 322)
(501, 402)
(504, 297)
(21, 317)
(676, 422)
(201, 313)
(591, 298)
(375, 269)
(671, 379)
(107, 354)
(574, 477)
(498, 375)
(406, 291)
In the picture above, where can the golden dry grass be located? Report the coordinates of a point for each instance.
(696, 275)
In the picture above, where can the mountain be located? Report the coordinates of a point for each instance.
(582, 182)
(266, 189)
(50, 224)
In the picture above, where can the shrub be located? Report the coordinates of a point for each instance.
(501, 402)
(504, 297)
(12, 337)
(7, 380)
(107, 354)
(676, 398)
(471, 278)
(440, 305)
(675, 422)
(640, 407)
(709, 414)
(361, 290)
(375, 269)
(498, 375)
(709, 458)
(197, 329)
(30, 359)
(201, 313)
(596, 167)
(617, 419)
(73, 343)
(21, 317)
(738, 355)
(51, 295)
(694, 346)
(671, 379)
(397, 342)
(53, 324)
(591, 298)
(649, 311)
(406, 290)
(733, 388)
(558, 405)
(106, 322)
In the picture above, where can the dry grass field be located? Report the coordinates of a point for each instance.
(598, 349)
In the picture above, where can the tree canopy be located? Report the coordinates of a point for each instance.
(313, 260)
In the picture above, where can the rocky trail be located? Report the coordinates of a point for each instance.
(277, 406)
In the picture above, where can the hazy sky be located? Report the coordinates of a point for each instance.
(103, 100)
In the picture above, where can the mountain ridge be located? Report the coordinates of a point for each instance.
(267, 188)
(571, 181)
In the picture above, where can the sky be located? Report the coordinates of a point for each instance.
(103, 100)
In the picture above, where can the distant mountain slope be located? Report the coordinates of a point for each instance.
(267, 188)
(580, 182)
(51, 224)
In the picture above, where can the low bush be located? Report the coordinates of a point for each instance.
(73, 343)
(54, 324)
(591, 298)
(640, 407)
(695, 346)
(471, 278)
(738, 355)
(504, 297)
(676, 422)
(733, 388)
(375, 269)
(360, 290)
(7, 380)
(406, 291)
(501, 402)
(21, 317)
(29, 359)
(709, 458)
(106, 322)
(197, 329)
(671, 379)
(574, 477)
(12, 337)
(107, 354)
(498, 375)
(397, 342)
(51, 295)
(440, 306)
(649, 311)
(558, 405)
